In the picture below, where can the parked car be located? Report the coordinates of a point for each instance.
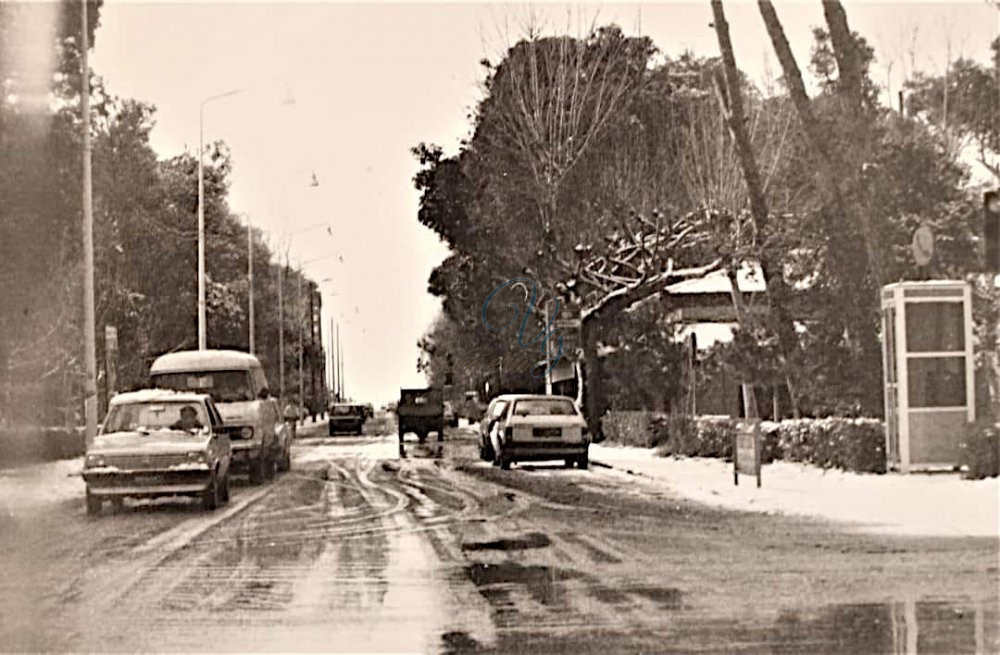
(420, 411)
(238, 386)
(159, 443)
(522, 427)
(450, 415)
(347, 417)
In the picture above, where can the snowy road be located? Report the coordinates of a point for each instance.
(357, 549)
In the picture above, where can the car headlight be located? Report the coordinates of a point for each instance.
(95, 461)
(246, 433)
(196, 456)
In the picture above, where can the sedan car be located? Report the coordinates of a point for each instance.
(159, 443)
(525, 427)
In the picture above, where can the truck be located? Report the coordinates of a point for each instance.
(421, 411)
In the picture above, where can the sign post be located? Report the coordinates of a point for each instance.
(746, 450)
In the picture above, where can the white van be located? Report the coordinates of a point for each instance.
(238, 386)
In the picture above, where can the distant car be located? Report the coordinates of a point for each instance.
(156, 442)
(450, 415)
(525, 427)
(347, 417)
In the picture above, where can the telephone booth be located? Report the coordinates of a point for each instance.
(927, 372)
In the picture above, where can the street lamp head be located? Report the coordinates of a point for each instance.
(314, 182)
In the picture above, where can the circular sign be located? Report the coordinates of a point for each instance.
(923, 245)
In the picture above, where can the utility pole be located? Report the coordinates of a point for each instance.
(298, 320)
(250, 281)
(340, 359)
(333, 363)
(89, 335)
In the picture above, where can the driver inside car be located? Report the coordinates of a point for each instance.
(188, 421)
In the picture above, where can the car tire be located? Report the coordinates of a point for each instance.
(285, 464)
(568, 463)
(422, 437)
(501, 460)
(583, 461)
(210, 497)
(257, 470)
(486, 452)
(224, 492)
(330, 429)
(94, 504)
(270, 467)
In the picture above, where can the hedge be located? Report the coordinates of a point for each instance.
(25, 445)
(981, 451)
(851, 444)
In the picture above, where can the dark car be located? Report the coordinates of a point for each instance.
(420, 411)
(347, 417)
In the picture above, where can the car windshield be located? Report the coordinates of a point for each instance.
(174, 415)
(223, 386)
(544, 407)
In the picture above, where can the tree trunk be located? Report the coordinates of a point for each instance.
(770, 262)
(593, 393)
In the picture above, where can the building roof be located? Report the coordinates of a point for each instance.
(204, 360)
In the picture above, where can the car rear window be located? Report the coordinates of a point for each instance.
(544, 407)
(223, 386)
(346, 410)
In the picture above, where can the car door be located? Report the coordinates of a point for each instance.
(220, 448)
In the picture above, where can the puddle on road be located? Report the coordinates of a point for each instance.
(528, 541)
(541, 582)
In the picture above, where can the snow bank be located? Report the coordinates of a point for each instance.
(25, 487)
(915, 504)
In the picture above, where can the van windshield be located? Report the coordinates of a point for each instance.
(223, 386)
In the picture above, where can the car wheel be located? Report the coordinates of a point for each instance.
(422, 437)
(270, 467)
(330, 429)
(568, 463)
(583, 461)
(224, 493)
(501, 460)
(286, 461)
(257, 470)
(441, 433)
(94, 504)
(210, 497)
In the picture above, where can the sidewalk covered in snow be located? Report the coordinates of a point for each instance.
(916, 504)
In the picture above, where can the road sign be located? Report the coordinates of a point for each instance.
(923, 245)
(746, 450)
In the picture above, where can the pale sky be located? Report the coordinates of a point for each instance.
(372, 80)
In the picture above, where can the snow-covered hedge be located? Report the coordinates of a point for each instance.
(24, 445)
(852, 444)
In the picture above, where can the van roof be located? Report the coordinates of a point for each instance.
(157, 395)
(203, 360)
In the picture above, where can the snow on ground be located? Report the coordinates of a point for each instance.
(914, 504)
(25, 487)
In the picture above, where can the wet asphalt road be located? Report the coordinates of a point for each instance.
(359, 549)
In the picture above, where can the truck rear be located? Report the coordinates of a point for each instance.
(421, 411)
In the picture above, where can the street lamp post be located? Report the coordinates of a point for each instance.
(89, 335)
(250, 282)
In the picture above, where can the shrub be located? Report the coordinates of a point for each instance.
(630, 428)
(851, 444)
(981, 451)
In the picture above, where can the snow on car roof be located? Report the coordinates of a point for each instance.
(203, 360)
(157, 395)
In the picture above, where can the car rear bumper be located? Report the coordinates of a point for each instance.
(534, 450)
(148, 483)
